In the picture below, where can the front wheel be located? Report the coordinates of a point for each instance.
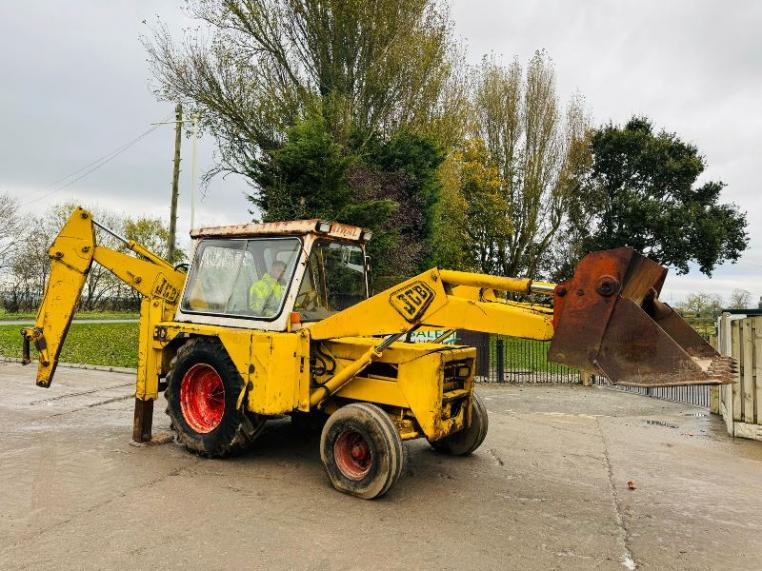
(362, 450)
(468, 439)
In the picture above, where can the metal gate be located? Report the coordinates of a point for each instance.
(503, 359)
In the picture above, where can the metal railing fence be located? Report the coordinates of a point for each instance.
(503, 359)
(694, 395)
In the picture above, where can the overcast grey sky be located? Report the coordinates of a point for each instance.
(75, 86)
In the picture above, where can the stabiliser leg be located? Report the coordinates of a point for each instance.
(142, 420)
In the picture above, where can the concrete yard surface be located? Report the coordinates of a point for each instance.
(547, 490)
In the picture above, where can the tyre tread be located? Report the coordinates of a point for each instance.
(237, 440)
(391, 441)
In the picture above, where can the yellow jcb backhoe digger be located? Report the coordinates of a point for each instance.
(275, 318)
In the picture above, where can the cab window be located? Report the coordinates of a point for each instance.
(242, 278)
(334, 279)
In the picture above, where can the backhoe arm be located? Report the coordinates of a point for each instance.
(71, 256)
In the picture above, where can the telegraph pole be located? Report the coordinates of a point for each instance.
(175, 182)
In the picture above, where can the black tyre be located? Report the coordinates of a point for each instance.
(362, 450)
(466, 441)
(203, 387)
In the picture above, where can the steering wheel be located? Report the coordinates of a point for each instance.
(307, 300)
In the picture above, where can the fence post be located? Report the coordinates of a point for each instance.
(500, 357)
(587, 378)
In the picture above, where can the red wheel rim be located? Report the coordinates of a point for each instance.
(352, 454)
(202, 398)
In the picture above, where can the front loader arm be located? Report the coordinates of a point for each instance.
(606, 319)
(71, 256)
(443, 299)
(436, 299)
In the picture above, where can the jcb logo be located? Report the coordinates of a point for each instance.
(412, 300)
(165, 289)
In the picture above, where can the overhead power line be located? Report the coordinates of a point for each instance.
(85, 171)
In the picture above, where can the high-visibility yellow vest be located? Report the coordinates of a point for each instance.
(265, 296)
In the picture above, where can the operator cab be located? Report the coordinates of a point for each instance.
(257, 275)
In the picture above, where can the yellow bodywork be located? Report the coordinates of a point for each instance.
(428, 387)
(444, 309)
(425, 387)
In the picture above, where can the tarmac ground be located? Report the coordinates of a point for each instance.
(569, 477)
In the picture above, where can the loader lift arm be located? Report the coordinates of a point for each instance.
(607, 319)
(71, 256)
(444, 299)
(436, 299)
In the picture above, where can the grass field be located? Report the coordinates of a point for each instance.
(80, 315)
(116, 345)
(110, 344)
(525, 355)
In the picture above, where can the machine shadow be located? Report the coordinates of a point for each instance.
(283, 439)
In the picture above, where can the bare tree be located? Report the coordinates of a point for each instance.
(539, 150)
(11, 225)
(739, 299)
(701, 305)
(28, 268)
(259, 65)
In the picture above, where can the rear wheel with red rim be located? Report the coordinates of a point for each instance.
(352, 454)
(203, 386)
(202, 397)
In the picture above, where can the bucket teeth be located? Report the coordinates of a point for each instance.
(723, 369)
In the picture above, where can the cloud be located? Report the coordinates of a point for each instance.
(693, 67)
(76, 85)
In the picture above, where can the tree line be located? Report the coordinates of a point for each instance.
(25, 263)
(366, 113)
(709, 306)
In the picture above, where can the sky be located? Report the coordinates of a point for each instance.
(75, 87)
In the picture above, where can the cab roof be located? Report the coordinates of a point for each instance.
(292, 228)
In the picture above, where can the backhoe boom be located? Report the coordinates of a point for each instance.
(71, 256)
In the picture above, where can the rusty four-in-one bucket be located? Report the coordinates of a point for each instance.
(608, 320)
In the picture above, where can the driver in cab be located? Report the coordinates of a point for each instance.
(265, 294)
